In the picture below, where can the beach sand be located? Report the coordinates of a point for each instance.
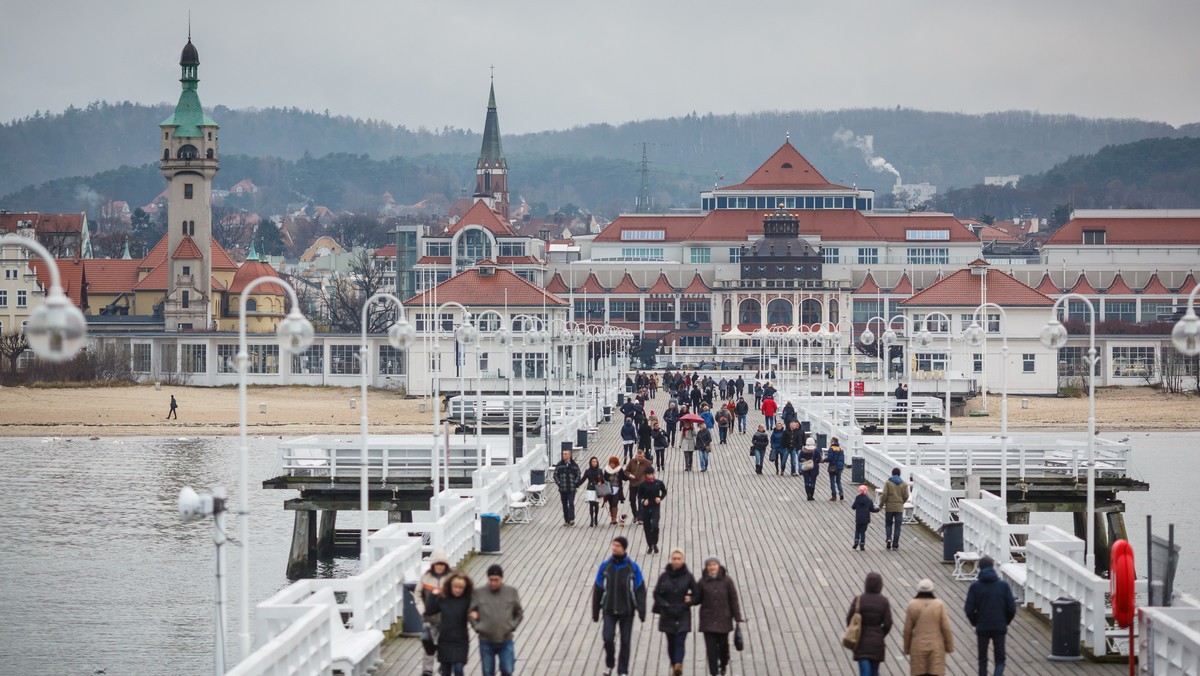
(297, 410)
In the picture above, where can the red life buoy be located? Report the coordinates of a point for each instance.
(1121, 581)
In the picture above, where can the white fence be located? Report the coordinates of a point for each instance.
(1169, 638)
(388, 455)
(934, 503)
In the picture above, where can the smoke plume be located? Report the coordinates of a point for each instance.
(866, 145)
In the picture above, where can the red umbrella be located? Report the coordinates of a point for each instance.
(691, 417)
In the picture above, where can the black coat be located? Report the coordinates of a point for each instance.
(675, 614)
(649, 490)
(990, 605)
(659, 438)
(863, 508)
(671, 417)
(742, 407)
(566, 476)
(619, 590)
(719, 606)
(876, 620)
(454, 643)
(760, 441)
(592, 477)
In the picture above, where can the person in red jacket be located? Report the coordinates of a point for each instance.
(768, 409)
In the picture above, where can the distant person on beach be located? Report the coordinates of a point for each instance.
(567, 476)
(495, 614)
(172, 413)
(617, 595)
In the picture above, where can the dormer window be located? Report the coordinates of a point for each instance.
(787, 165)
(1093, 237)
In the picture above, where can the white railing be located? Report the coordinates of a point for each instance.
(876, 407)
(1028, 455)
(1169, 640)
(1053, 569)
(303, 647)
(985, 528)
(934, 503)
(449, 525)
(388, 456)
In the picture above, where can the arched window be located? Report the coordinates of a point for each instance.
(779, 311)
(727, 317)
(166, 153)
(833, 311)
(251, 305)
(191, 227)
(188, 152)
(810, 311)
(750, 312)
(185, 227)
(208, 153)
(474, 245)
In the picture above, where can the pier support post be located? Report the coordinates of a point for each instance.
(326, 533)
(304, 540)
(1102, 545)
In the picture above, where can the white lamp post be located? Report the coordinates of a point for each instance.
(1186, 334)
(401, 335)
(924, 340)
(465, 334)
(1054, 336)
(886, 340)
(191, 508)
(841, 340)
(976, 336)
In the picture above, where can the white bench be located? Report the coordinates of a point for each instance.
(961, 560)
(355, 653)
(537, 494)
(518, 508)
(1014, 573)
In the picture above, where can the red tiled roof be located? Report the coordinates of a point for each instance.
(111, 275)
(517, 260)
(482, 215)
(1082, 286)
(157, 280)
(220, 259)
(896, 228)
(187, 250)
(786, 169)
(1189, 283)
(963, 289)
(252, 270)
(43, 222)
(433, 260)
(736, 225)
(472, 289)
(626, 286)
(868, 286)
(557, 285)
(155, 255)
(662, 286)
(904, 286)
(591, 285)
(158, 254)
(990, 233)
(1130, 231)
(1048, 287)
(697, 287)
(1119, 287)
(1154, 287)
(388, 251)
(675, 228)
(70, 273)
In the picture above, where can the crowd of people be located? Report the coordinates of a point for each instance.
(619, 590)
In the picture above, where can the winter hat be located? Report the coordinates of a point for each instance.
(925, 586)
(711, 559)
(862, 490)
(496, 570)
(439, 556)
(621, 540)
(895, 471)
(987, 562)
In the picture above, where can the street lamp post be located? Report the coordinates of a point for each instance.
(976, 336)
(1054, 336)
(886, 340)
(924, 339)
(466, 334)
(840, 340)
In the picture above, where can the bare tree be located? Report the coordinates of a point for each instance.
(349, 293)
(12, 344)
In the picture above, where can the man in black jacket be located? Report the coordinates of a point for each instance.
(567, 476)
(990, 608)
(619, 593)
(651, 494)
(671, 419)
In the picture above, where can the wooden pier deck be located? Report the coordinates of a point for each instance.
(790, 558)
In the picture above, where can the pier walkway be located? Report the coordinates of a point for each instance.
(790, 558)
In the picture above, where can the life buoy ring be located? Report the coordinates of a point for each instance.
(1121, 583)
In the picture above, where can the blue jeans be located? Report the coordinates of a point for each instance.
(835, 483)
(703, 460)
(676, 647)
(770, 422)
(741, 423)
(891, 519)
(997, 639)
(490, 650)
(724, 432)
(758, 459)
(455, 669)
(868, 668)
(786, 454)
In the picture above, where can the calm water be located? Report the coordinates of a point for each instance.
(97, 571)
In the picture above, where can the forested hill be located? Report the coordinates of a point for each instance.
(593, 166)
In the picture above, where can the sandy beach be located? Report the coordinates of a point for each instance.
(297, 410)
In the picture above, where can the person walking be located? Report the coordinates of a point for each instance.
(719, 610)
(172, 413)
(876, 623)
(629, 437)
(653, 420)
(618, 594)
(793, 441)
(704, 441)
(835, 459)
(892, 499)
(739, 385)
(789, 414)
(687, 442)
(758, 391)
(901, 397)
(928, 635)
(431, 586)
(741, 409)
(644, 433)
(990, 608)
(674, 595)
(567, 477)
(724, 421)
(659, 439)
(614, 494)
(593, 479)
(768, 411)
(810, 466)
(670, 418)
(495, 614)
(635, 474)
(706, 413)
(769, 389)
(863, 508)
(452, 606)
(758, 447)
(650, 495)
(778, 437)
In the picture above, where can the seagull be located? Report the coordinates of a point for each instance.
(99, 670)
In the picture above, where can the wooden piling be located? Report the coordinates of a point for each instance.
(304, 540)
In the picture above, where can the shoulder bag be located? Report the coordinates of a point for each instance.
(854, 629)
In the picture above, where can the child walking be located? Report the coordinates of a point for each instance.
(863, 506)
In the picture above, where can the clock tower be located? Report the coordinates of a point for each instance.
(189, 163)
(491, 171)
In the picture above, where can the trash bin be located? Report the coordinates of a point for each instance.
(858, 470)
(952, 539)
(581, 438)
(412, 622)
(567, 446)
(822, 440)
(489, 533)
(607, 413)
(1065, 630)
(518, 441)
(620, 399)
(537, 477)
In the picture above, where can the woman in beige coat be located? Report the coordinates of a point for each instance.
(927, 633)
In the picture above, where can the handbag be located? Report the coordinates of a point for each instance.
(806, 466)
(739, 642)
(427, 639)
(854, 629)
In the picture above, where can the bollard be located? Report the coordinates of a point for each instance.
(489, 533)
(421, 407)
(262, 407)
(352, 404)
(581, 438)
(157, 386)
(1024, 403)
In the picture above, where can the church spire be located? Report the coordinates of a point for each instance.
(491, 171)
(491, 150)
(251, 255)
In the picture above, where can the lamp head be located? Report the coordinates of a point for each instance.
(1053, 335)
(466, 334)
(1186, 334)
(888, 337)
(56, 328)
(193, 506)
(502, 337)
(974, 335)
(866, 337)
(295, 333)
(923, 338)
(402, 334)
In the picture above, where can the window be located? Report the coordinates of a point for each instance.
(474, 245)
(865, 309)
(187, 191)
(868, 256)
(1093, 237)
(391, 361)
(167, 353)
(4, 297)
(188, 152)
(992, 322)
(810, 311)
(437, 249)
(735, 254)
(977, 362)
(209, 153)
(141, 357)
(529, 364)
(629, 235)
(695, 341)
(936, 324)
(185, 300)
(1122, 310)
(1133, 362)
(263, 358)
(425, 322)
(831, 255)
(482, 366)
(184, 229)
(310, 361)
(701, 255)
(343, 360)
(1151, 309)
(646, 253)
(779, 311)
(187, 270)
(1028, 362)
(918, 235)
(22, 298)
(928, 256)
(623, 310)
(435, 362)
(930, 361)
(193, 358)
(1072, 361)
(512, 248)
(750, 312)
(660, 311)
(593, 310)
(699, 311)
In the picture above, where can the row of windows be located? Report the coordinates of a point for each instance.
(701, 255)
(642, 234)
(657, 311)
(913, 235)
(774, 202)
(474, 247)
(928, 256)
(642, 252)
(22, 298)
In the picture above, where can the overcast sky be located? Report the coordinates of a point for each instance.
(561, 63)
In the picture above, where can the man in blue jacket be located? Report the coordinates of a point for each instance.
(835, 458)
(990, 607)
(619, 592)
